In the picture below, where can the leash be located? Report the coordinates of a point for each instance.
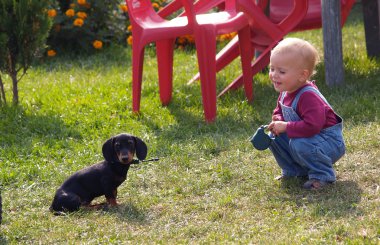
(136, 161)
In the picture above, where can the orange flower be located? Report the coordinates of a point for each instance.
(81, 2)
(51, 53)
(189, 38)
(72, 5)
(123, 7)
(78, 22)
(82, 15)
(130, 40)
(223, 37)
(181, 40)
(155, 5)
(52, 13)
(129, 28)
(97, 44)
(70, 12)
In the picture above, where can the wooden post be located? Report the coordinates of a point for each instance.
(332, 42)
(371, 9)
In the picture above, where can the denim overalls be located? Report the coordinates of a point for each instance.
(313, 156)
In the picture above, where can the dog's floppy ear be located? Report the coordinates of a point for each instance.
(141, 148)
(108, 150)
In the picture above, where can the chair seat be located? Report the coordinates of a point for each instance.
(155, 29)
(149, 23)
(223, 20)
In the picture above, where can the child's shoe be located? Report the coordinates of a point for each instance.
(315, 184)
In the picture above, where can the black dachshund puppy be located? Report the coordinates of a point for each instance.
(102, 178)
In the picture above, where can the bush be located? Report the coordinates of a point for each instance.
(84, 25)
(87, 25)
(24, 27)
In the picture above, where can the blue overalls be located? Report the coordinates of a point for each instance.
(314, 156)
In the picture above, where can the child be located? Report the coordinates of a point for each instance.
(308, 132)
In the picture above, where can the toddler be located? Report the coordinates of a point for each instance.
(308, 132)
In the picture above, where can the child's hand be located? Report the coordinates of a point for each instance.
(277, 127)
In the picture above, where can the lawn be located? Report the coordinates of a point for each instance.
(210, 185)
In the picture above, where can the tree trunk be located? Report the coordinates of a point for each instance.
(332, 42)
(14, 87)
(2, 92)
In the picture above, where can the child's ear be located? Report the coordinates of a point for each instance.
(305, 75)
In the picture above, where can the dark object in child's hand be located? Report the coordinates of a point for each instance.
(261, 140)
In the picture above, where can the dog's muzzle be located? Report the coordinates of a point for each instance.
(125, 157)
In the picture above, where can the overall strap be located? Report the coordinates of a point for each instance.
(304, 89)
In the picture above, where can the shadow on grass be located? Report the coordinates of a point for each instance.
(18, 127)
(232, 117)
(209, 138)
(337, 200)
(357, 100)
(129, 212)
(24, 134)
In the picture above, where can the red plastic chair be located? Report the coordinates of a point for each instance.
(264, 35)
(148, 26)
(284, 14)
(313, 19)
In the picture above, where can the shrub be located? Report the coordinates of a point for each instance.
(24, 27)
(85, 25)
(88, 25)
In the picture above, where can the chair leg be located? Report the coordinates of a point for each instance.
(224, 57)
(228, 54)
(258, 65)
(206, 52)
(164, 51)
(246, 58)
(137, 69)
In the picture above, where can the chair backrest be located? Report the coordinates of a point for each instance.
(190, 12)
(139, 5)
(170, 8)
(278, 9)
(139, 10)
(260, 21)
(295, 15)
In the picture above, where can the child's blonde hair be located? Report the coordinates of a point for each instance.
(303, 49)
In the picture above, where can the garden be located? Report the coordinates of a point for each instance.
(210, 185)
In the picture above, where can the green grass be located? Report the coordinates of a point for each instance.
(210, 185)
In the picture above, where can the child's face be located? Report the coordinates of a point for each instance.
(286, 72)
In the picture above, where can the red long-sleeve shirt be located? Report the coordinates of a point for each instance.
(315, 114)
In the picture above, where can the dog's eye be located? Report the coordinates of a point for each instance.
(117, 145)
